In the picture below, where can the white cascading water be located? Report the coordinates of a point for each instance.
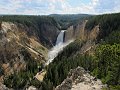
(58, 47)
(60, 38)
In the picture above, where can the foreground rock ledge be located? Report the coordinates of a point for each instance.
(79, 79)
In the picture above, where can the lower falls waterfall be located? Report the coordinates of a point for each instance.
(60, 44)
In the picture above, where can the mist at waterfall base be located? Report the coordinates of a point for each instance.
(58, 47)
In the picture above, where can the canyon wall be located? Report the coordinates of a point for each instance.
(89, 37)
(79, 31)
(19, 43)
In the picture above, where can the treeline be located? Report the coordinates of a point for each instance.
(28, 20)
(107, 23)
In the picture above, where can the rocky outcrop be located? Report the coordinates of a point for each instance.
(79, 79)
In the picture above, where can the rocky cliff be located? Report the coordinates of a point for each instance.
(79, 31)
(88, 36)
(79, 79)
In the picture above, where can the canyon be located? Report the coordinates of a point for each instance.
(19, 34)
(37, 53)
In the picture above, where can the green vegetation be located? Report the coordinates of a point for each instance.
(108, 64)
(28, 20)
(22, 79)
(104, 64)
(113, 37)
(66, 60)
(107, 23)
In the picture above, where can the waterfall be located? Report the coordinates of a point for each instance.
(58, 47)
(60, 38)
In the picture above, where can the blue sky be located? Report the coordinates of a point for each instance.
(45, 7)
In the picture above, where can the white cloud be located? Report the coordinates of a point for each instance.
(117, 6)
(81, 8)
(58, 6)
